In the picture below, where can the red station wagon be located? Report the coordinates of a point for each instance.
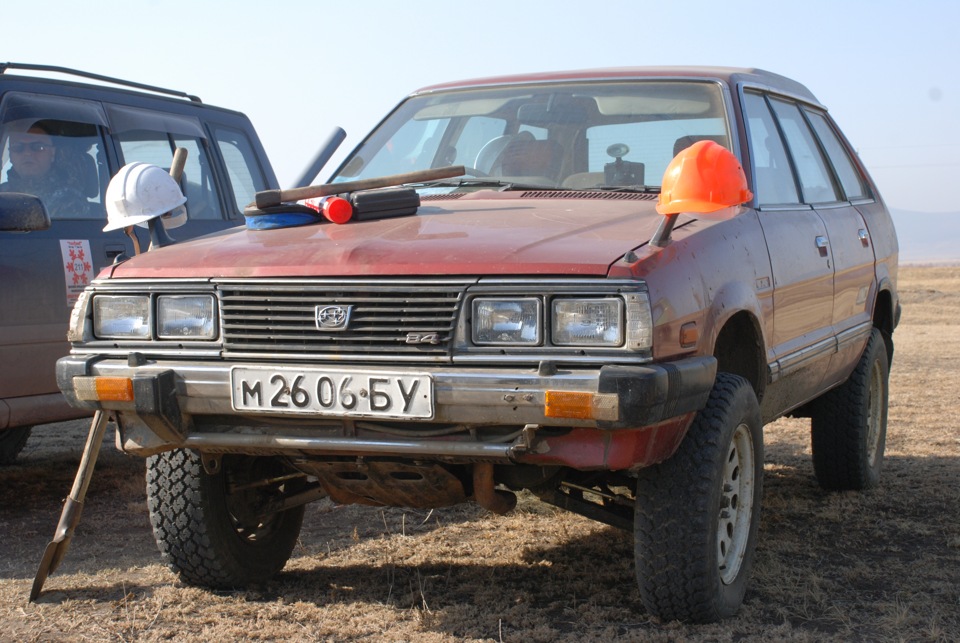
(632, 272)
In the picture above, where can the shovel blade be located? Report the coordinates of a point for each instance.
(72, 506)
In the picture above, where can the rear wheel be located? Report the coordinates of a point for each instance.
(217, 530)
(12, 442)
(849, 424)
(697, 514)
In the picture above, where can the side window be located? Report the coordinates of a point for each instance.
(152, 137)
(197, 182)
(773, 176)
(815, 179)
(246, 176)
(852, 182)
(52, 147)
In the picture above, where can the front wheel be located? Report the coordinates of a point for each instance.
(849, 423)
(217, 530)
(697, 514)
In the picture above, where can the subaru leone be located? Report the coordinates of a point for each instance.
(597, 286)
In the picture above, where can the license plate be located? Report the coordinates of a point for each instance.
(332, 392)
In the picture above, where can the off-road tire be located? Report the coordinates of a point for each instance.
(849, 424)
(697, 514)
(196, 525)
(12, 442)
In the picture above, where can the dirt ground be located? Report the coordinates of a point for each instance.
(882, 565)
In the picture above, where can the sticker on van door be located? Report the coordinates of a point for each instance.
(77, 267)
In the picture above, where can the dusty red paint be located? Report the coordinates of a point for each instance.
(596, 449)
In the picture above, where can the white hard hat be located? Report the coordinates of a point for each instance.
(140, 192)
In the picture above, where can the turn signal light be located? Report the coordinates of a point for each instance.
(579, 405)
(104, 389)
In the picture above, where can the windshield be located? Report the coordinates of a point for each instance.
(587, 135)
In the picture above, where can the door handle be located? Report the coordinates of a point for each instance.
(822, 244)
(864, 237)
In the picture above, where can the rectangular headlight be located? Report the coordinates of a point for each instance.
(186, 317)
(588, 322)
(121, 316)
(507, 321)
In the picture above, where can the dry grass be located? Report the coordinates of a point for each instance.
(883, 565)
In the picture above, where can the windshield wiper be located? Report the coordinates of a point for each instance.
(504, 186)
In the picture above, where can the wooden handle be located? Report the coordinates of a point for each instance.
(179, 160)
(268, 198)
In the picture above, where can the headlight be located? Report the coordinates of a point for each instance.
(121, 317)
(506, 321)
(588, 322)
(186, 317)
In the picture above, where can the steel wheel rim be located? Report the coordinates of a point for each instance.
(736, 504)
(874, 412)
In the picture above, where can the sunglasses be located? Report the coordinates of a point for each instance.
(20, 148)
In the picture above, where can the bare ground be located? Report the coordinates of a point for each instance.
(882, 565)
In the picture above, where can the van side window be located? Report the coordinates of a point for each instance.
(54, 149)
(152, 138)
(243, 169)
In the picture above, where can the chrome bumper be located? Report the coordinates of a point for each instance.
(170, 395)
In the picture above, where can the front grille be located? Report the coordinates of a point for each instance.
(390, 320)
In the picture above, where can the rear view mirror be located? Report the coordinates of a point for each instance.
(22, 213)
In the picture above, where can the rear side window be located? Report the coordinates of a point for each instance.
(773, 176)
(52, 147)
(852, 183)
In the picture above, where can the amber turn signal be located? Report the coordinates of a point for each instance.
(104, 389)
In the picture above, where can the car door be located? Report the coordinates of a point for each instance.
(43, 272)
(801, 263)
(855, 276)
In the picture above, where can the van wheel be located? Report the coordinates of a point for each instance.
(217, 530)
(12, 442)
(697, 514)
(849, 424)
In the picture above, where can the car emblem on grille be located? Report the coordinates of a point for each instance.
(333, 317)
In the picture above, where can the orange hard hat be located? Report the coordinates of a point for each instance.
(704, 177)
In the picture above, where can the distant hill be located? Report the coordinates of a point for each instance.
(928, 237)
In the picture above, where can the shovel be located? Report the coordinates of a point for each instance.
(72, 506)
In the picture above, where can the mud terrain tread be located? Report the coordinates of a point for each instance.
(675, 520)
(839, 426)
(12, 442)
(193, 532)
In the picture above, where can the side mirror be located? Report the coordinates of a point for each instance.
(22, 213)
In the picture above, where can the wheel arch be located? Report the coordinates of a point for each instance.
(886, 314)
(739, 350)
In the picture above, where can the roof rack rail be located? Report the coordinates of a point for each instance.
(107, 79)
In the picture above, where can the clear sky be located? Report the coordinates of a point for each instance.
(886, 70)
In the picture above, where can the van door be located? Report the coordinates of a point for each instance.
(43, 272)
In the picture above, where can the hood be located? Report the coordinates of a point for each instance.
(484, 232)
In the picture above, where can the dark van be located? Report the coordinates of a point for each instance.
(61, 140)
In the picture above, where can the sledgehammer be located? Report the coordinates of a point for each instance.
(268, 198)
(72, 506)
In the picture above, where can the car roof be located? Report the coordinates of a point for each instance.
(731, 76)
